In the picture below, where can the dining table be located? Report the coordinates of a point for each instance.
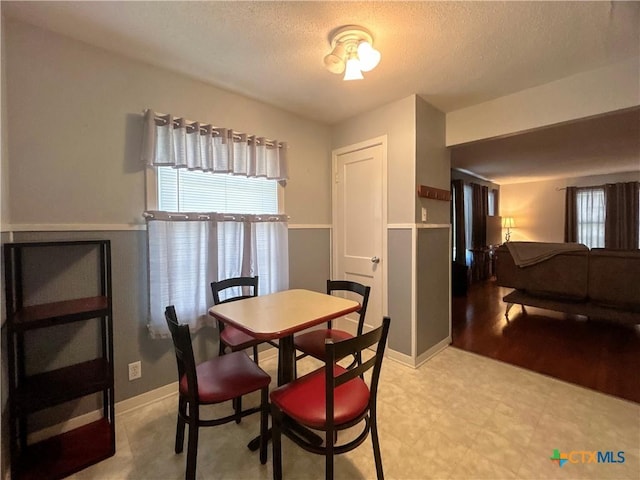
(278, 316)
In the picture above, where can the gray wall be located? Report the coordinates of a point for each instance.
(432, 287)
(433, 164)
(433, 252)
(81, 166)
(309, 258)
(416, 155)
(84, 167)
(397, 121)
(399, 289)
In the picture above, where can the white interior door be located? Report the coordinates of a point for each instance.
(359, 224)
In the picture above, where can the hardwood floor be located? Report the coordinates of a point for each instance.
(603, 356)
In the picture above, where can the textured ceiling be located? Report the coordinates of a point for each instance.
(453, 54)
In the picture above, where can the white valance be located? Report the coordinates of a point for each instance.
(179, 143)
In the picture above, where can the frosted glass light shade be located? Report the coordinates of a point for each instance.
(353, 71)
(369, 57)
(334, 62)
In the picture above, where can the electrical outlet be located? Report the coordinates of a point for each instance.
(135, 370)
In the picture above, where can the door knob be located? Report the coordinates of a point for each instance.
(375, 260)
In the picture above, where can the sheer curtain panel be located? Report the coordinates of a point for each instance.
(590, 216)
(187, 251)
(176, 142)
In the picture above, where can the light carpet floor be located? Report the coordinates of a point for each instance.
(459, 416)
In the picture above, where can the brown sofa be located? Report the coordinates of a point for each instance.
(600, 283)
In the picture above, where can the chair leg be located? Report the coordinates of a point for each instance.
(192, 447)
(330, 440)
(255, 354)
(376, 446)
(182, 412)
(237, 406)
(264, 424)
(276, 425)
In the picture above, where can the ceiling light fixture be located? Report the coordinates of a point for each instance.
(352, 52)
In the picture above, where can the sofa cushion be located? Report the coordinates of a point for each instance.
(614, 278)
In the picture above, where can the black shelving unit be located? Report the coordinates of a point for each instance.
(66, 453)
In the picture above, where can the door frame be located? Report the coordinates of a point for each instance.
(381, 140)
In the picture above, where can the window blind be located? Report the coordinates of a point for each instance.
(182, 190)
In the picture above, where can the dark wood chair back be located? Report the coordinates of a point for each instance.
(354, 287)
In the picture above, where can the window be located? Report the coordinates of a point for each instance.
(182, 190)
(492, 203)
(590, 214)
(226, 187)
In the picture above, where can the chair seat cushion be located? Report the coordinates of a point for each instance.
(312, 342)
(226, 377)
(237, 339)
(304, 399)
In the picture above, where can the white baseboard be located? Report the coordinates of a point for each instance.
(400, 357)
(122, 407)
(438, 347)
(146, 398)
(410, 361)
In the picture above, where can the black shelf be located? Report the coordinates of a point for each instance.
(62, 385)
(57, 313)
(61, 455)
(65, 454)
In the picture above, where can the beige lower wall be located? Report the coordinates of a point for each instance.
(538, 207)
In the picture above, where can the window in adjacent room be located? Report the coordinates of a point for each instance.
(590, 216)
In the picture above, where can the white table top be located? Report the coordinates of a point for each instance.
(280, 314)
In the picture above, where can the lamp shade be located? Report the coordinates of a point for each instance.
(352, 52)
(353, 71)
(334, 62)
(507, 222)
(369, 57)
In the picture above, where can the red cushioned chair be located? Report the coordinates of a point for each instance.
(312, 342)
(331, 399)
(215, 381)
(230, 337)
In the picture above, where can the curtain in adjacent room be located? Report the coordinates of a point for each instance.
(187, 251)
(459, 243)
(570, 217)
(480, 210)
(622, 213)
(179, 143)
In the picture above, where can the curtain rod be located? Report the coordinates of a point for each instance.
(151, 215)
(163, 117)
(588, 187)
